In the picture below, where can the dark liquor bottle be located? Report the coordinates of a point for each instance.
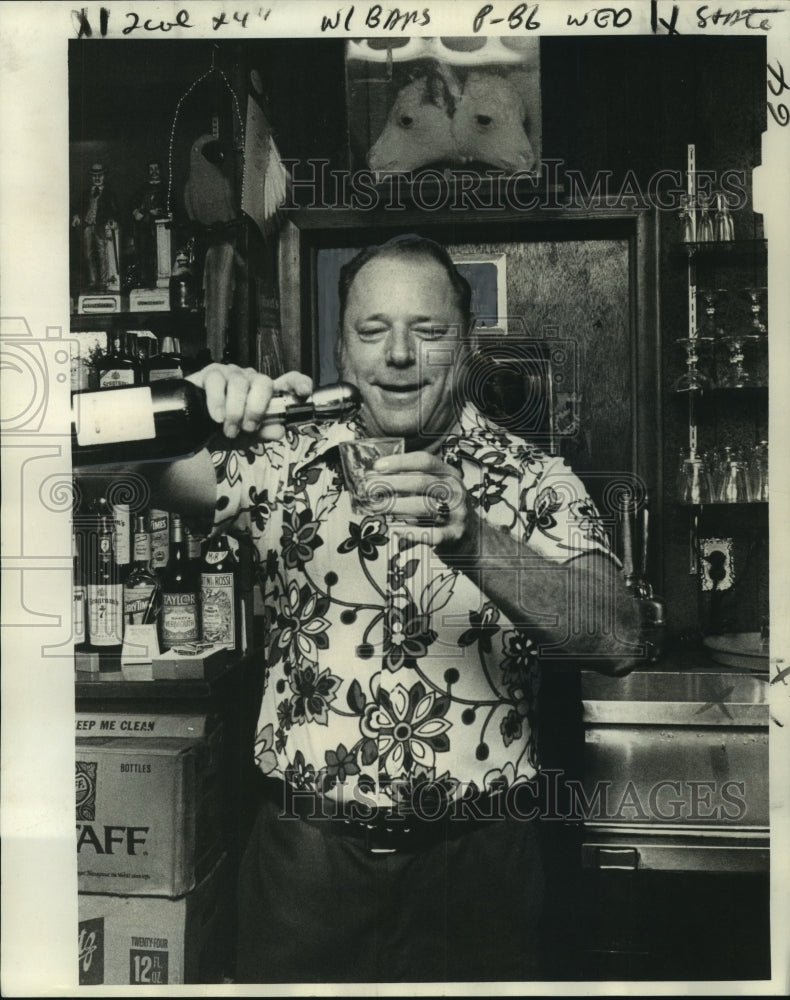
(115, 369)
(105, 622)
(186, 361)
(169, 419)
(142, 596)
(131, 353)
(219, 595)
(79, 596)
(194, 549)
(166, 364)
(180, 621)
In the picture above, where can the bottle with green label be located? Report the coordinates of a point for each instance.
(219, 595)
(180, 621)
(141, 593)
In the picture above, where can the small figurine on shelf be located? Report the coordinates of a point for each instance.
(150, 204)
(98, 220)
(182, 280)
(724, 229)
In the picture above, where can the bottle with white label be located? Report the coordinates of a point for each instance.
(141, 592)
(104, 592)
(116, 369)
(219, 595)
(168, 419)
(122, 544)
(159, 522)
(180, 621)
(79, 596)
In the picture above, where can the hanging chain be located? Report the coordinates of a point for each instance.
(181, 100)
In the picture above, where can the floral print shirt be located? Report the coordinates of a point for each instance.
(385, 668)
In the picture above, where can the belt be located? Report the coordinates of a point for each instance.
(385, 831)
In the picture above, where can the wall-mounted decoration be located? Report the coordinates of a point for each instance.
(487, 276)
(444, 102)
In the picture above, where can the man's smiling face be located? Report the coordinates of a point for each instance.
(403, 337)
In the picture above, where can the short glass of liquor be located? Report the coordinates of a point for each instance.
(369, 494)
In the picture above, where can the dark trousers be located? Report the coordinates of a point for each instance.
(319, 907)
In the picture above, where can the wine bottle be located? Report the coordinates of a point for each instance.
(141, 593)
(79, 597)
(169, 419)
(219, 595)
(105, 625)
(166, 364)
(180, 612)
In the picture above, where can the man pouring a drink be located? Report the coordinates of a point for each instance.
(418, 563)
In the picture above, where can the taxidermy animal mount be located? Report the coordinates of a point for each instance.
(437, 118)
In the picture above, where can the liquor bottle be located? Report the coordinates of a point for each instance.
(142, 595)
(105, 623)
(79, 596)
(170, 419)
(130, 353)
(115, 368)
(194, 548)
(122, 542)
(219, 595)
(186, 361)
(166, 364)
(146, 348)
(180, 621)
(160, 540)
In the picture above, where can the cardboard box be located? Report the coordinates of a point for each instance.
(148, 940)
(99, 303)
(149, 300)
(182, 664)
(149, 813)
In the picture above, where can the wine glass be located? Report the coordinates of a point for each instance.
(755, 294)
(714, 299)
(692, 379)
(736, 376)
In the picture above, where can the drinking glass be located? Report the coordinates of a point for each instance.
(693, 482)
(757, 472)
(735, 487)
(369, 495)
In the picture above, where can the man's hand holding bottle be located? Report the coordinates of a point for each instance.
(238, 398)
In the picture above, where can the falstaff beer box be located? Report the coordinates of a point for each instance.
(151, 941)
(148, 802)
